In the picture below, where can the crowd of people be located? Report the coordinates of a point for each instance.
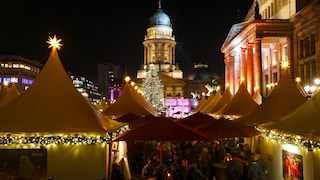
(219, 159)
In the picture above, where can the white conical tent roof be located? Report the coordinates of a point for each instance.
(241, 104)
(212, 102)
(224, 100)
(257, 97)
(201, 104)
(4, 90)
(52, 104)
(283, 99)
(11, 95)
(129, 102)
(303, 121)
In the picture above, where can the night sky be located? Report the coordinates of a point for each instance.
(98, 31)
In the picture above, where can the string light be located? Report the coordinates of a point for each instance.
(10, 139)
(286, 138)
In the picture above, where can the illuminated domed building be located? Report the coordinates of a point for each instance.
(159, 47)
(159, 51)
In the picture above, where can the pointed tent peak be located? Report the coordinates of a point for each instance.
(54, 98)
(241, 104)
(4, 89)
(257, 96)
(201, 104)
(285, 96)
(211, 102)
(133, 103)
(303, 121)
(11, 95)
(224, 100)
(242, 86)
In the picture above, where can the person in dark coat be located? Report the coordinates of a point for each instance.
(148, 169)
(255, 171)
(194, 173)
(175, 172)
(160, 172)
(235, 168)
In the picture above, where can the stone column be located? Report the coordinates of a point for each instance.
(145, 54)
(250, 85)
(232, 75)
(243, 66)
(257, 64)
(226, 71)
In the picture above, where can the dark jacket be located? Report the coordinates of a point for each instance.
(235, 169)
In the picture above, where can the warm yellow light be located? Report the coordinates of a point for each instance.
(127, 78)
(5, 83)
(227, 85)
(218, 88)
(132, 83)
(284, 64)
(54, 42)
(242, 79)
(298, 79)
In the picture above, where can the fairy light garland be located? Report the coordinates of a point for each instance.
(285, 138)
(74, 139)
(69, 139)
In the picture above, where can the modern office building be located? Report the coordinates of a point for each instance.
(18, 70)
(87, 89)
(23, 72)
(273, 31)
(110, 80)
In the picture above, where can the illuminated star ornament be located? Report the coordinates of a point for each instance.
(54, 42)
(285, 64)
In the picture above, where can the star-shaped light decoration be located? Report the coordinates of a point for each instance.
(54, 42)
(285, 64)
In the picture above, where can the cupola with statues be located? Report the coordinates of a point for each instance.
(159, 47)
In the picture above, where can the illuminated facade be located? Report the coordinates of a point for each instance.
(18, 70)
(273, 30)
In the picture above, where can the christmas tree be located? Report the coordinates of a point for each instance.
(153, 89)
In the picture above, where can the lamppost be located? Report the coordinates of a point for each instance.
(312, 89)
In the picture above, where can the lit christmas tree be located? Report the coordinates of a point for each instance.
(153, 89)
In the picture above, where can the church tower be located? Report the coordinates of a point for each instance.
(159, 47)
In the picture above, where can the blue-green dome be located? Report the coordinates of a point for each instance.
(160, 18)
